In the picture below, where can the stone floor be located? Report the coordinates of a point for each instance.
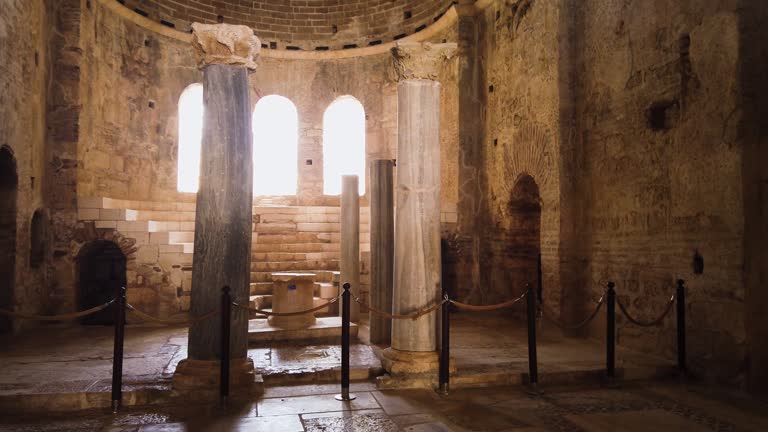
(633, 407)
(486, 348)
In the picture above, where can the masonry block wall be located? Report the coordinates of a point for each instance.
(303, 24)
(24, 31)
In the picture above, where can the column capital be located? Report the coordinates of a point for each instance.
(420, 60)
(225, 44)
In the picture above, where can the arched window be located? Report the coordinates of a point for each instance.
(343, 144)
(191, 109)
(275, 146)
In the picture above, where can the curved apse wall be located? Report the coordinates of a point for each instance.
(302, 24)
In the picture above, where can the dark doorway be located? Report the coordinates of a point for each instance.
(101, 272)
(524, 245)
(8, 190)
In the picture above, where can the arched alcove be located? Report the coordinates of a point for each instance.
(8, 191)
(191, 109)
(523, 246)
(101, 267)
(343, 144)
(38, 238)
(275, 146)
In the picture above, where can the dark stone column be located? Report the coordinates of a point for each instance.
(224, 205)
(223, 216)
(382, 247)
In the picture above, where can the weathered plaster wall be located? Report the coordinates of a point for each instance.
(519, 52)
(658, 187)
(24, 60)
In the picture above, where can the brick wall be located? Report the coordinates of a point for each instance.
(302, 24)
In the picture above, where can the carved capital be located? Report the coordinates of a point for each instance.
(420, 60)
(225, 44)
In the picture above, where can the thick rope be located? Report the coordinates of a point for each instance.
(653, 323)
(477, 308)
(286, 314)
(413, 316)
(64, 317)
(169, 322)
(581, 324)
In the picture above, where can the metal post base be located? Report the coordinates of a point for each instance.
(115, 406)
(345, 396)
(443, 389)
(534, 390)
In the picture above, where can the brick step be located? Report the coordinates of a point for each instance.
(294, 256)
(293, 266)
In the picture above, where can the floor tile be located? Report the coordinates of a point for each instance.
(314, 404)
(636, 421)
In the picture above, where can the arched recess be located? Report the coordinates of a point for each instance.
(9, 182)
(191, 109)
(275, 146)
(343, 144)
(523, 249)
(101, 267)
(38, 238)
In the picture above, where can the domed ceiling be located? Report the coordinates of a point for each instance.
(302, 24)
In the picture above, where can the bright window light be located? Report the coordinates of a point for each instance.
(275, 146)
(190, 136)
(343, 144)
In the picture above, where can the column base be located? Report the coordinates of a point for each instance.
(201, 377)
(398, 363)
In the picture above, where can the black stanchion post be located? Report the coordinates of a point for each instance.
(226, 319)
(610, 333)
(533, 368)
(680, 296)
(445, 345)
(345, 315)
(117, 357)
(539, 282)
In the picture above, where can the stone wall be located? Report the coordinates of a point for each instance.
(305, 25)
(24, 58)
(129, 134)
(630, 119)
(521, 97)
(124, 81)
(658, 118)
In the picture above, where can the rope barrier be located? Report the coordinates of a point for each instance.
(413, 316)
(64, 317)
(185, 323)
(286, 314)
(653, 323)
(546, 313)
(498, 306)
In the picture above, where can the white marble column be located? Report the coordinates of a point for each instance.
(382, 247)
(222, 252)
(417, 266)
(350, 240)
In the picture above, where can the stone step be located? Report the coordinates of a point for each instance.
(165, 215)
(261, 288)
(261, 301)
(295, 247)
(294, 256)
(293, 266)
(323, 275)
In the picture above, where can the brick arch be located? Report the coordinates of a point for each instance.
(86, 232)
